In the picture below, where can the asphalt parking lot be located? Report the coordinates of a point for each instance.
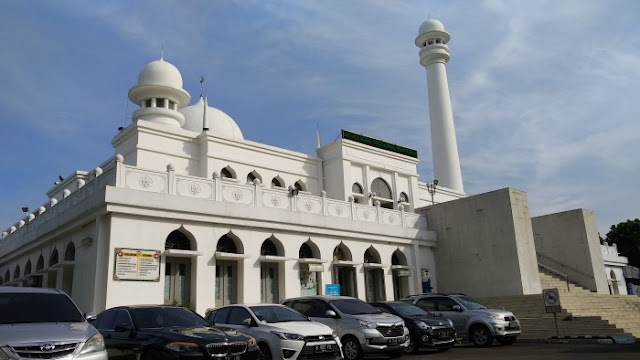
(544, 351)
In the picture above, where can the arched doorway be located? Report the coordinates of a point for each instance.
(269, 272)
(344, 273)
(373, 276)
(310, 269)
(177, 271)
(401, 274)
(227, 269)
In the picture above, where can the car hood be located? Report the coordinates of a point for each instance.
(205, 333)
(45, 332)
(431, 321)
(384, 318)
(305, 328)
(494, 311)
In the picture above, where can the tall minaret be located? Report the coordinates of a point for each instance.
(434, 54)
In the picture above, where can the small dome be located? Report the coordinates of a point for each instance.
(430, 25)
(161, 73)
(219, 122)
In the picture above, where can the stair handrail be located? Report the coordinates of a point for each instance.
(565, 276)
(566, 266)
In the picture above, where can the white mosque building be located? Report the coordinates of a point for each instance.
(186, 211)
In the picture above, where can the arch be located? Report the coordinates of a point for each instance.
(342, 253)
(1, 280)
(53, 259)
(272, 247)
(371, 256)
(40, 263)
(404, 198)
(357, 188)
(277, 182)
(229, 243)
(300, 186)
(7, 276)
(228, 173)
(309, 250)
(16, 273)
(178, 240)
(612, 275)
(398, 258)
(381, 189)
(70, 252)
(252, 176)
(27, 268)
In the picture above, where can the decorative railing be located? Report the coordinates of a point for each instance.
(230, 191)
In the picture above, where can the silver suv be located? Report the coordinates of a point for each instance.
(472, 320)
(361, 327)
(45, 324)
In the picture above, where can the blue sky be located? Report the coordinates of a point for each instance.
(544, 93)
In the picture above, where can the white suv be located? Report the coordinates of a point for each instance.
(281, 333)
(45, 324)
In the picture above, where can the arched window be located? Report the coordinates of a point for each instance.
(357, 188)
(341, 253)
(227, 245)
(53, 259)
(371, 256)
(40, 263)
(16, 272)
(27, 268)
(300, 186)
(398, 258)
(404, 198)
(252, 176)
(305, 252)
(381, 188)
(7, 276)
(268, 248)
(277, 182)
(227, 173)
(70, 253)
(177, 240)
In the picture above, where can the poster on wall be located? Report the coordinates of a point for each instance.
(136, 265)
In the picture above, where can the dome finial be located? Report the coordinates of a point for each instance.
(201, 85)
(162, 52)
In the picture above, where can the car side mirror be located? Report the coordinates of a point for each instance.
(90, 316)
(122, 327)
(456, 308)
(249, 322)
(331, 313)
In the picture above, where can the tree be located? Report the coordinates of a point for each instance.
(626, 235)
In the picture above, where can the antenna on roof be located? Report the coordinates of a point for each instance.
(162, 52)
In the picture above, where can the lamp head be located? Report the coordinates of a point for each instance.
(25, 209)
(435, 182)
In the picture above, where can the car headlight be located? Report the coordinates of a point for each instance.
(423, 325)
(450, 322)
(94, 344)
(251, 342)
(288, 336)
(182, 346)
(495, 316)
(366, 324)
(334, 334)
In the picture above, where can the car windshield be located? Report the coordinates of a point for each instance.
(469, 303)
(18, 308)
(276, 314)
(354, 307)
(405, 309)
(162, 317)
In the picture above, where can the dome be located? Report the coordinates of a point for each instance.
(161, 73)
(430, 25)
(219, 122)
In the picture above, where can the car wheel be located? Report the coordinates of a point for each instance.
(351, 349)
(507, 340)
(481, 336)
(265, 351)
(413, 347)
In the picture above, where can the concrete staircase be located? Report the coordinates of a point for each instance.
(583, 312)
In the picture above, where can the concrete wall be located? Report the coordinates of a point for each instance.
(569, 242)
(485, 245)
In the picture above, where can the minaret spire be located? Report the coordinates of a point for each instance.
(434, 54)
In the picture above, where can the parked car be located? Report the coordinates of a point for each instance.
(281, 332)
(45, 324)
(170, 332)
(472, 320)
(361, 327)
(426, 329)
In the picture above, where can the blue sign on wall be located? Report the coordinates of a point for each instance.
(332, 289)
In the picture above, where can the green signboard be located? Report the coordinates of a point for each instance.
(379, 144)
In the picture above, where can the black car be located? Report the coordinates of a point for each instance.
(170, 332)
(426, 329)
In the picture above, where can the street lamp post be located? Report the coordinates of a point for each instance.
(431, 188)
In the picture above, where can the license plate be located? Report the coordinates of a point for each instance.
(443, 334)
(513, 324)
(394, 341)
(232, 358)
(323, 348)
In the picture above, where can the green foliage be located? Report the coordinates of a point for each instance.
(626, 235)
